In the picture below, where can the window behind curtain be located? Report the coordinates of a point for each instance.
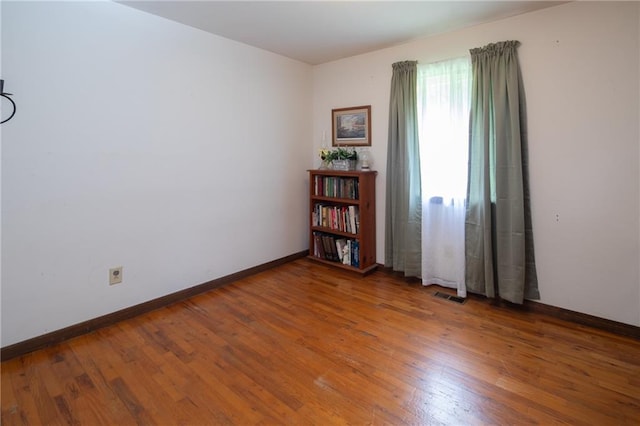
(444, 93)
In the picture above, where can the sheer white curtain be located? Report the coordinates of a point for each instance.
(444, 90)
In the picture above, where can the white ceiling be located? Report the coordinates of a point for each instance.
(316, 32)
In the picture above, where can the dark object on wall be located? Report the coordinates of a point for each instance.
(6, 95)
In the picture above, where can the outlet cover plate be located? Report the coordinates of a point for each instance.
(115, 275)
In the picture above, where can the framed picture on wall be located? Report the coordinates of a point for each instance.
(351, 126)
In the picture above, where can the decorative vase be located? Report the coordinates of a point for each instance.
(344, 165)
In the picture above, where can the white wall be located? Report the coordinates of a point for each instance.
(580, 65)
(143, 143)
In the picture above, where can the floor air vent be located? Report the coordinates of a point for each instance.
(456, 299)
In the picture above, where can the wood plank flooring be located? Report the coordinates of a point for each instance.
(307, 344)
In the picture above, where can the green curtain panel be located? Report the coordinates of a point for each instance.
(499, 256)
(403, 196)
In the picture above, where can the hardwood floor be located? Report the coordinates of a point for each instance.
(307, 344)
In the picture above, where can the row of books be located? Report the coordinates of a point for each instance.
(335, 186)
(341, 218)
(336, 249)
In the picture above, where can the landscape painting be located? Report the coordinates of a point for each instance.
(351, 126)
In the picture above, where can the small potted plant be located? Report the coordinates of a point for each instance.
(340, 158)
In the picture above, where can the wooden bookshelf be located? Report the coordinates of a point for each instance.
(342, 212)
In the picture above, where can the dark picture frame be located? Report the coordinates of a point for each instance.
(351, 126)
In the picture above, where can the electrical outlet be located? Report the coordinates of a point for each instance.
(115, 275)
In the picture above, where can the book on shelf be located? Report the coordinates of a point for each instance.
(318, 246)
(328, 250)
(341, 218)
(341, 243)
(352, 219)
(355, 253)
(331, 242)
(336, 249)
(348, 253)
(336, 187)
